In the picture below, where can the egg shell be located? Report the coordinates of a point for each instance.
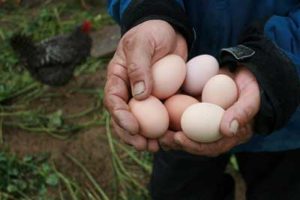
(151, 115)
(168, 75)
(199, 70)
(220, 90)
(176, 105)
(201, 122)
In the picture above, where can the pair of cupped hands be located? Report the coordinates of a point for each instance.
(129, 75)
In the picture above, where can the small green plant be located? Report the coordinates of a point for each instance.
(29, 176)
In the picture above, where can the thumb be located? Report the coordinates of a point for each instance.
(139, 52)
(242, 112)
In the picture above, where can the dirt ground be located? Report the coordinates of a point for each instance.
(88, 146)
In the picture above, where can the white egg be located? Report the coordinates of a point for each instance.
(201, 122)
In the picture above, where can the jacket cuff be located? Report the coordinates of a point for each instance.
(275, 74)
(167, 10)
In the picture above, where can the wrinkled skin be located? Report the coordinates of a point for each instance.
(129, 76)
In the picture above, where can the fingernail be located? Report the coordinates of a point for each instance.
(234, 126)
(177, 140)
(138, 88)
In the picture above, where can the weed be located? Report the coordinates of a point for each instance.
(29, 176)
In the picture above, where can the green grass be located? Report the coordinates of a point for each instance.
(36, 177)
(26, 178)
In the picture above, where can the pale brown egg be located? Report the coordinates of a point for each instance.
(176, 105)
(201, 122)
(151, 115)
(220, 90)
(168, 75)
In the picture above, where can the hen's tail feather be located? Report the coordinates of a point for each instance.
(23, 45)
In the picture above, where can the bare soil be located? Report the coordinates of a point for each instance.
(88, 146)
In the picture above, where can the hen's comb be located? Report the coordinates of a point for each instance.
(86, 26)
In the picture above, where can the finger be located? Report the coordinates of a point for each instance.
(206, 149)
(225, 144)
(245, 108)
(167, 141)
(137, 141)
(224, 70)
(244, 134)
(116, 97)
(181, 47)
(139, 51)
(186, 144)
(152, 145)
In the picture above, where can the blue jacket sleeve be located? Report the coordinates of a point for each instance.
(116, 8)
(131, 13)
(271, 51)
(284, 31)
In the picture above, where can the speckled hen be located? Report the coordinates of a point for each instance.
(52, 61)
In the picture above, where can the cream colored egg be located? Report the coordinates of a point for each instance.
(168, 75)
(201, 122)
(220, 90)
(151, 115)
(199, 70)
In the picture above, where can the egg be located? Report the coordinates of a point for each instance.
(168, 75)
(151, 115)
(199, 70)
(220, 90)
(176, 105)
(201, 122)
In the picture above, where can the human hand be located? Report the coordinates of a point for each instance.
(236, 124)
(129, 74)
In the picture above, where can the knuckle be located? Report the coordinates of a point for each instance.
(133, 69)
(137, 72)
(138, 146)
(129, 43)
(245, 114)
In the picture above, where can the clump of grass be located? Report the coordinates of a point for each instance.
(128, 184)
(52, 123)
(25, 178)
